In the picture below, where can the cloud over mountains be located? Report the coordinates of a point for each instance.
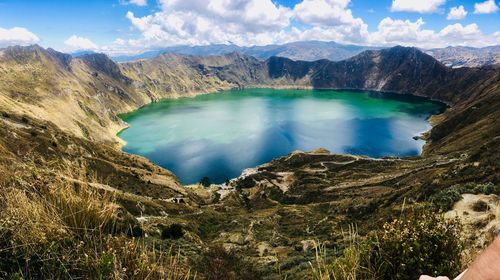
(263, 22)
(17, 36)
(259, 22)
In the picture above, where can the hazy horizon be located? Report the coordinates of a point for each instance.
(128, 27)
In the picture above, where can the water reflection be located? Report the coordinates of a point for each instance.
(221, 134)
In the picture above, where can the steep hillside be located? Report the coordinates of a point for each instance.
(399, 69)
(30, 146)
(82, 96)
(173, 75)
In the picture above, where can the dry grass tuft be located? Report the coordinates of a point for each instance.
(75, 232)
(28, 220)
(348, 266)
(83, 209)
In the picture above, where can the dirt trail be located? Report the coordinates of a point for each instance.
(480, 216)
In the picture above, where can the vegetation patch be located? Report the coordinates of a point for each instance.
(62, 232)
(445, 199)
(218, 263)
(416, 244)
(480, 206)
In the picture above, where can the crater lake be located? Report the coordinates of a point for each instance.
(219, 135)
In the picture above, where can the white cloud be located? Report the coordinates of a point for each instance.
(457, 13)
(325, 12)
(261, 22)
(134, 2)
(331, 20)
(391, 32)
(17, 36)
(245, 22)
(247, 15)
(196, 22)
(402, 32)
(458, 32)
(418, 6)
(486, 7)
(76, 43)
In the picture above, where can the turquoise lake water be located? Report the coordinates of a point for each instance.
(219, 135)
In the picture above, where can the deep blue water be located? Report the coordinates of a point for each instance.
(219, 135)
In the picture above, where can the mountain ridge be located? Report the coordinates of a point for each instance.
(300, 50)
(452, 56)
(92, 80)
(460, 56)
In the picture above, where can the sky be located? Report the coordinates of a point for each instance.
(120, 27)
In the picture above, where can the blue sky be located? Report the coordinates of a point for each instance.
(131, 26)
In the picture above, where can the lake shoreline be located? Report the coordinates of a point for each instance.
(121, 143)
(410, 105)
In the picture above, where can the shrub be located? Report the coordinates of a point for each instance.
(216, 263)
(422, 243)
(135, 231)
(174, 231)
(487, 188)
(480, 206)
(205, 182)
(216, 197)
(445, 199)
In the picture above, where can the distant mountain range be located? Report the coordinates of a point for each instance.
(466, 56)
(302, 50)
(315, 50)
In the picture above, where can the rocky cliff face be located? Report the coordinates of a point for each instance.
(399, 69)
(101, 63)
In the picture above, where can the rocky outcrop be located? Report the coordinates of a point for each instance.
(399, 69)
(101, 63)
